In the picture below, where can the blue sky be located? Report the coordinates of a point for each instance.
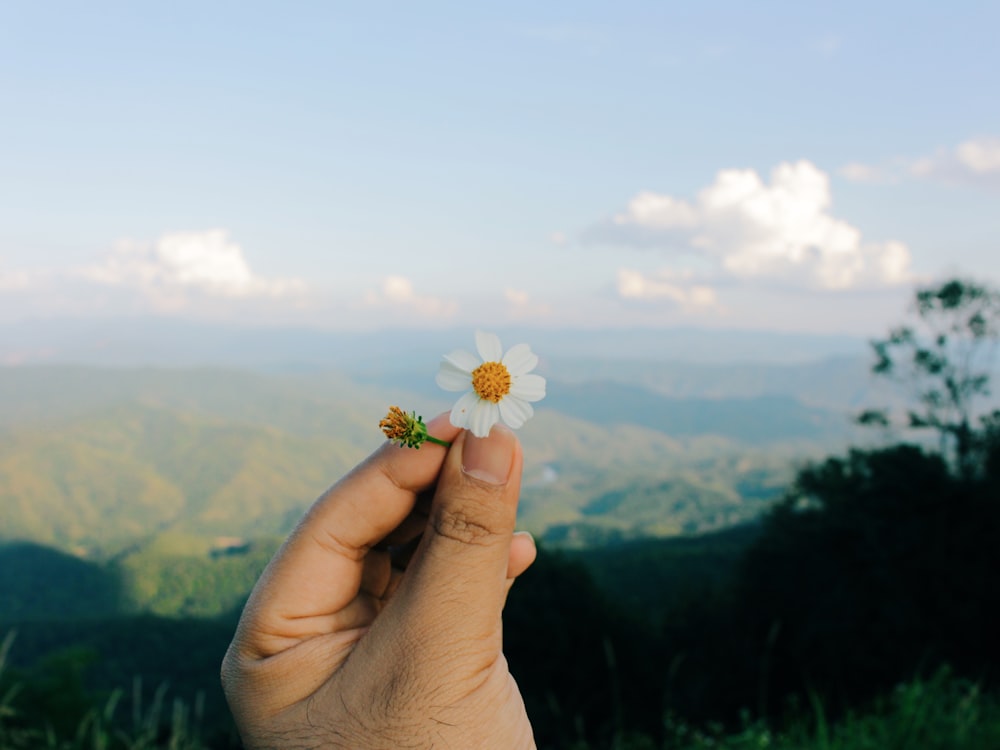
(777, 166)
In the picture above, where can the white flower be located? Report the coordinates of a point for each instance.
(499, 386)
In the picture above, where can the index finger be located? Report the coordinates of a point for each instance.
(317, 572)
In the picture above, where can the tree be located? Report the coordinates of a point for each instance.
(945, 358)
(876, 567)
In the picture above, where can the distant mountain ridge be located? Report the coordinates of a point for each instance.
(839, 382)
(98, 461)
(336, 404)
(175, 342)
(762, 418)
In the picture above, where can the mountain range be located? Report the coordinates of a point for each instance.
(98, 460)
(176, 342)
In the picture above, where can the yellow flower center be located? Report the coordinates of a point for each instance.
(491, 381)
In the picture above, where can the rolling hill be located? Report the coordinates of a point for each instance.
(97, 484)
(104, 462)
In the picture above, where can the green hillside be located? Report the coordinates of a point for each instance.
(708, 574)
(98, 484)
(104, 463)
(41, 583)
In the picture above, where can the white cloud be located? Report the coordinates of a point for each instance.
(975, 162)
(658, 212)
(201, 273)
(970, 161)
(980, 156)
(398, 292)
(750, 229)
(204, 262)
(669, 286)
(858, 172)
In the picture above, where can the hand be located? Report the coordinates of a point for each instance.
(346, 643)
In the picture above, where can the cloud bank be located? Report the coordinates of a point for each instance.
(207, 263)
(666, 285)
(974, 162)
(742, 227)
(191, 273)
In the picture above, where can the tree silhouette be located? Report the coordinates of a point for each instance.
(878, 566)
(944, 359)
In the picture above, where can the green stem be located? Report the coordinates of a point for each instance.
(431, 439)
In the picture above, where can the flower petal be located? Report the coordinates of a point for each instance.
(529, 387)
(463, 360)
(520, 360)
(461, 412)
(485, 414)
(488, 346)
(515, 412)
(450, 377)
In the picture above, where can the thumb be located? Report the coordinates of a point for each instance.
(458, 576)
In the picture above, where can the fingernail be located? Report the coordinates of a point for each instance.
(488, 459)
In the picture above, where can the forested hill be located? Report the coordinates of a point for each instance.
(137, 507)
(95, 460)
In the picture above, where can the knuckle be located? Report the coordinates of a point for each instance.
(461, 526)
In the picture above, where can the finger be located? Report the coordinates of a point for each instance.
(411, 527)
(455, 586)
(522, 554)
(376, 572)
(318, 571)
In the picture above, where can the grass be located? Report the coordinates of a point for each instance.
(156, 725)
(942, 712)
(939, 713)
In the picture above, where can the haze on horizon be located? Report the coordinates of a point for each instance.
(723, 166)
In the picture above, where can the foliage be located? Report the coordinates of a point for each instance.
(172, 574)
(61, 672)
(585, 668)
(656, 579)
(814, 628)
(48, 712)
(876, 565)
(945, 358)
(179, 576)
(874, 569)
(39, 582)
(939, 713)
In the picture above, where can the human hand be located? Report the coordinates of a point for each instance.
(346, 643)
